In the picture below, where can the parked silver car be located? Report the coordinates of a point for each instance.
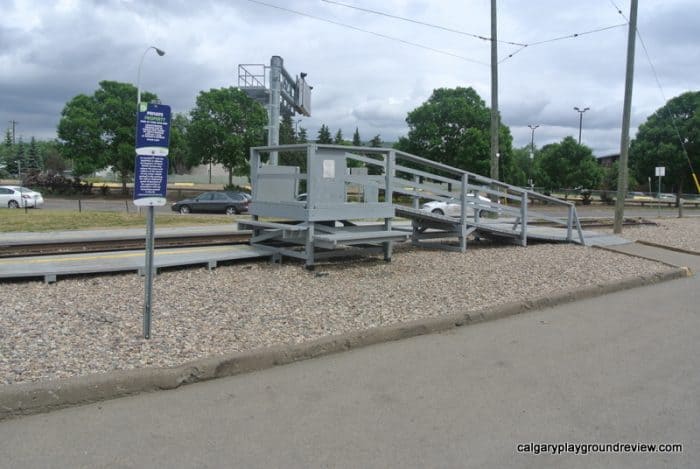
(17, 196)
(453, 207)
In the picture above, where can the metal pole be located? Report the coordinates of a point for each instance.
(14, 123)
(150, 228)
(273, 130)
(580, 121)
(532, 154)
(625, 137)
(580, 126)
(494, 91)
(658, 196)
(150, 221)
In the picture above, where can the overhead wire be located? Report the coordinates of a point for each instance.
(355, 28)
(422, 23)
(560, 38)
(521, 45)
(663, 96)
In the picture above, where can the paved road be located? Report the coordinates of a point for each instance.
(618, 368)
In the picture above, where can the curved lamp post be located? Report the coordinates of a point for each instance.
(161, 53)
(150, 225)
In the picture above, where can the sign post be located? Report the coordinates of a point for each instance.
(660, 172)
(151, 182)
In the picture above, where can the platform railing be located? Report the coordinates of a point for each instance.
(401, 173)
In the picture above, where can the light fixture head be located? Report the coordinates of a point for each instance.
(159, 51)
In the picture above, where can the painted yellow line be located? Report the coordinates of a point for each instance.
(110, 256)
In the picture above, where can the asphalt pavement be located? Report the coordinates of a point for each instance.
(616, 369)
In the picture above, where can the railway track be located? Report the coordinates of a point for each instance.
(73, 247)
(201, 239)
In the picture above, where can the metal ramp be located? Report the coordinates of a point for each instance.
(428, 226)
(349, 189)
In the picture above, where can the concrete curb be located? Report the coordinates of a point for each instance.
(640, 256)
(32, 398)
(670, 248)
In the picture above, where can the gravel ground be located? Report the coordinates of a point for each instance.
(94, 324)
(682, 233)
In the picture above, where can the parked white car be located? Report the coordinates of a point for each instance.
(16, 196)
(453, 207)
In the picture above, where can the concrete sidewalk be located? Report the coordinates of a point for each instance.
(617, 368)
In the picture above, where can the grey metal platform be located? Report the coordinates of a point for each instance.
(51, 267)
(76, 236)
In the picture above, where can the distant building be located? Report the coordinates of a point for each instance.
(608, 160)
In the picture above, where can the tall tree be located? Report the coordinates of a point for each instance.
(53, 161)
(16, 162)
(302, 136)
(338, 140)
(567, 165)
(453, 127)
(658, 143)
(181, 159)
(376, 142)
(324, 135)
(33, 160)
(225, 123)
(99, 131)
(287, 131)
(6, 152)
(520, 168)
(356, 141)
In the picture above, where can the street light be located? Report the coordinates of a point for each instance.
(580, 121)
(150, 225)
(161, 53)
(532, 153)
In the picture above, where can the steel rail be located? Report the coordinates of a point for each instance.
(117, 244)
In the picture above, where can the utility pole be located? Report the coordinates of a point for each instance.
(14, 124)
(627, 108)
(532, 154)
(532, 140)
(580, 121)
(494, 91)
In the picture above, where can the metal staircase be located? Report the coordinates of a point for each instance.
(354, 194)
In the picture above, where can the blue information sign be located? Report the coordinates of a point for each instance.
(153, 129)
(150, 180)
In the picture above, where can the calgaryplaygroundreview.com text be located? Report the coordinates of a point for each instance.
(601, 448)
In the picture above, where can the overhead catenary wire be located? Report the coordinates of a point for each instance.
(422, 23)
(663, 96)
(561, 38)
(521, 45)
(355, 28)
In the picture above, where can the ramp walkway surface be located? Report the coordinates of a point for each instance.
(49, 268)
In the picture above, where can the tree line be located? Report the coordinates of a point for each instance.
(452, 127)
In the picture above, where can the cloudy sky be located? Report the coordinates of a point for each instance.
(50, 51)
